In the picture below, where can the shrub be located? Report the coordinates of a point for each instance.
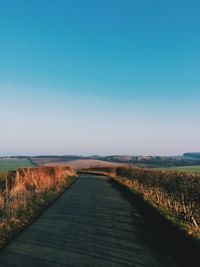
(178, 192)
(26, 191)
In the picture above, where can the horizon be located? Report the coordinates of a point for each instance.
(99, 78)
(90, 156)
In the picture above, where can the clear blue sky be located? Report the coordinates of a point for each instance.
(99, 77)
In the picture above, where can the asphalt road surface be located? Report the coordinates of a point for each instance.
(91, 224)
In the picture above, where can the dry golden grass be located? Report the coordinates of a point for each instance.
(26, 191)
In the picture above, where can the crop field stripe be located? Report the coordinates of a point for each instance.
(185, 168)
(10, 164)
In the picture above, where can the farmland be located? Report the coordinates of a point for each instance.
(172, 195)
(87, 163)
(143, 161)
(7, 164)
(186, 168)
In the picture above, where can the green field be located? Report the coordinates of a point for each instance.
(7, 164)
(185, 168)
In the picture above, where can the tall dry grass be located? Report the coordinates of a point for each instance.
(26, 191)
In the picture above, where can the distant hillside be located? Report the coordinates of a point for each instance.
(188, 159)
(87, 163)
(195, 155)
(152, 161)
(42, 160)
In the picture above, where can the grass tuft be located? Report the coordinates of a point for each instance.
(26, 192)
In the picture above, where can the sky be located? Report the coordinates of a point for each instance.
(99, 77)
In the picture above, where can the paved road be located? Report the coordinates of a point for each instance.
(91, 224)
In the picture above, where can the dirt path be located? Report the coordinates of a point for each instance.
(91, 224)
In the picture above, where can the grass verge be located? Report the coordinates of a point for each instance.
(14, 222)
(183, 247)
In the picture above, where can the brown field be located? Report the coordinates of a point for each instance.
(46, 160)
(87, 163)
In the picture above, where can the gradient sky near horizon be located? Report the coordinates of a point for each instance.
(99, 77)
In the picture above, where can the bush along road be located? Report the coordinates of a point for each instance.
(91, 224)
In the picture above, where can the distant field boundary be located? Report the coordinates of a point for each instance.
(31, 161)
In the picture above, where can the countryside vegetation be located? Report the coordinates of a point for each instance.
(7, 164)
(100, 138)
(175, 194)
(186, 168)
(25, 192)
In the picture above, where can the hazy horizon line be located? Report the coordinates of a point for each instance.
(93, 155)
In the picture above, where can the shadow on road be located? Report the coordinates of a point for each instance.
(159, 233)
(91, 224)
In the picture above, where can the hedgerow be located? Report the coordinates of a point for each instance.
(178, 192)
